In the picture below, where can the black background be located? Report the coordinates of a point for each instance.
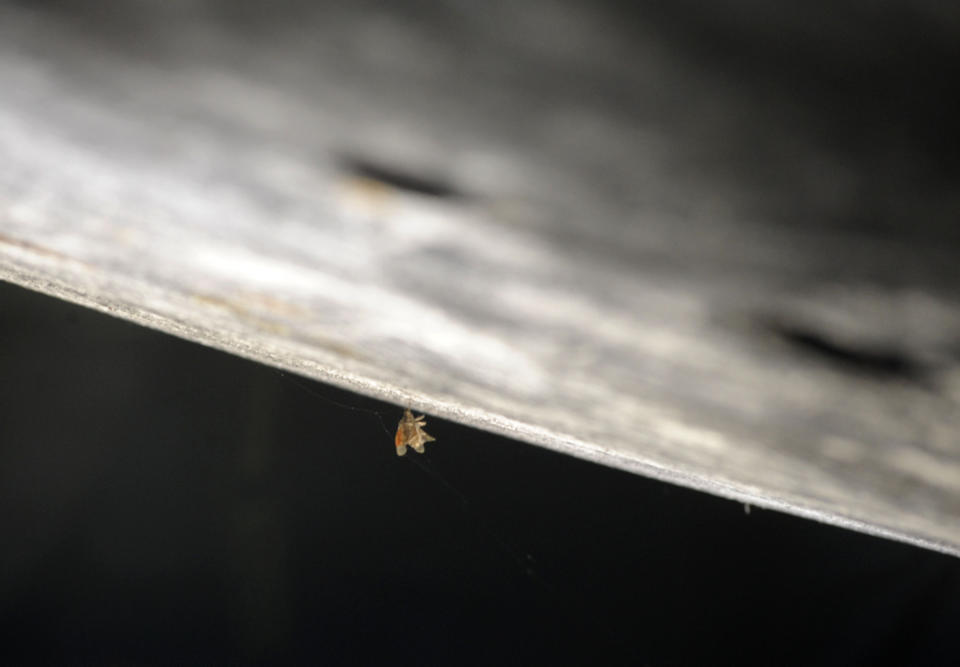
(165, 503)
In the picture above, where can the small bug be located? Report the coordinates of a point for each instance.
(410, 433)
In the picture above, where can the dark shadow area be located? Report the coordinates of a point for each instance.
(877, 362)
(407, 181)
(164, 503)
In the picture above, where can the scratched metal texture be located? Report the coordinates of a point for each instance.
(716, 247)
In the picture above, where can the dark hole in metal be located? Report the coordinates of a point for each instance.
(880, 362)
(428, 186)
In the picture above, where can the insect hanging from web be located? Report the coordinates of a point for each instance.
(410, 433)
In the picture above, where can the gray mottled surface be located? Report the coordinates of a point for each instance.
(717, 250)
